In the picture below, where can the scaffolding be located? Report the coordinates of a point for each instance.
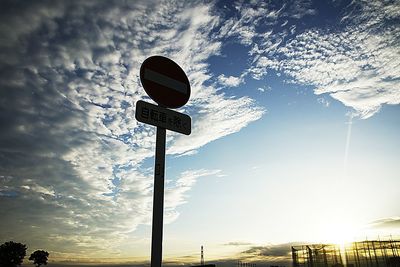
(374, 253)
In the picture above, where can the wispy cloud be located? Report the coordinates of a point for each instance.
(282, 250)
(392, 222)
(238, 243)
(323, 101)
(230, 81)
(358, 66)
(269, 253)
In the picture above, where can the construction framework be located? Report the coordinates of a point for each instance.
(374, 253)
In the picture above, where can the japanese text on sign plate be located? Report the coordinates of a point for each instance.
(161, 117)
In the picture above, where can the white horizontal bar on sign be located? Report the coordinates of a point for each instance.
(165, 81)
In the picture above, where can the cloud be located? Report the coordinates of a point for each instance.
(71, 151)
(323, 101)
(275, 253)
(393, 223)
(238, 243)
(358, 66)
(249, 16)
(230, 81)
(264, 89)
(282, 250)
(219, 117)
(301, 8)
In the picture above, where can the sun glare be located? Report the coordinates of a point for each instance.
(340, 234)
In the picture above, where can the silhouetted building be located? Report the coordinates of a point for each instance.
(357, 254)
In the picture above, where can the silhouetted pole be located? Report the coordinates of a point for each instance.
(294, 257)
(346, 256)
(365, 254)
(374, 250)
(369, 253)
(158, 199)
(325, 259)
(310, 257)
(202, 257)
(358, 256)
(383, 248)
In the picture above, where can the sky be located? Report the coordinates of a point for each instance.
(295, 127)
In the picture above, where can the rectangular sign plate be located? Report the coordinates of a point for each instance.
(163, 117)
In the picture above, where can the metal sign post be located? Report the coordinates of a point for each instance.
(167, 84)
(158, 199)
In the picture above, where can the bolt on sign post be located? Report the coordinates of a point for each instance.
(167, 84)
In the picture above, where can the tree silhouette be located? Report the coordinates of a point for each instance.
(39, 257)
(12, 254)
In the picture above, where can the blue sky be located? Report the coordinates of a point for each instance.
(294, 139)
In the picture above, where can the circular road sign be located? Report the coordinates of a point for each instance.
(165, 82)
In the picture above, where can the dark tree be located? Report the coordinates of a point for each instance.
(39, 257)
(12, 254)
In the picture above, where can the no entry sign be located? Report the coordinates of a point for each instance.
(165, 82)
